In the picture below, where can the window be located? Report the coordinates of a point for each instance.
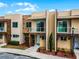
(28, 24)
(62, 26)
(15, 36)
(40, 26)
(43, 37)
(63, 38)
(15, 24)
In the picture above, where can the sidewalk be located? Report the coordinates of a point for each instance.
(30, 52)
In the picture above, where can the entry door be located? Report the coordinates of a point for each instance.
(76, 43)
(33, 40)
(38, 40)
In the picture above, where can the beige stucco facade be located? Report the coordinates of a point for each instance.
(50, 27)
(64, 44)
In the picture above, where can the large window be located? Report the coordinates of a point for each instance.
(15, 35)
(40, 26)
(15, 24)
(28, 24)
(62, 26)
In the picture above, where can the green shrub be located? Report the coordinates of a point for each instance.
(51, 43)
(14, 42)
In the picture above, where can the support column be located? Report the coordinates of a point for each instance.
(29, 40)
(3, 38)
(55, 31)
(35, 39)
(5, 27)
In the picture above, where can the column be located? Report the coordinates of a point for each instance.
(5, 27)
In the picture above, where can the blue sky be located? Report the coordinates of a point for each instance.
(29, 6)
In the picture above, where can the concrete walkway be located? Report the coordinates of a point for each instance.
(30, 52)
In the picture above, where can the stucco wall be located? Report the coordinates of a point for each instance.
(18, 30)
(50, 26)
(75, 12)
(63, 44)
(75, 24)
(37, 15)
(63, 13)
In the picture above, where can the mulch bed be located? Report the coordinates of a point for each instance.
(58, 53)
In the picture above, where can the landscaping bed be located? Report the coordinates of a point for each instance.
(66, 54)
(15, 45)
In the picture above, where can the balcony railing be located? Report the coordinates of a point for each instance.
(37, 29)
(67, 30)
(2, 29)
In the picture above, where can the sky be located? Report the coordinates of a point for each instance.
(29, 6)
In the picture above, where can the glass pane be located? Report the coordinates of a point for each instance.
(62, 26)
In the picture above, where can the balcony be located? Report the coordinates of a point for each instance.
(37, 29)
(67, 30)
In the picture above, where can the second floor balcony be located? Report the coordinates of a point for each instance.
(36, 29)
(67, 30)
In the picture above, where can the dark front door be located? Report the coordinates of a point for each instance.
(27, 40)
(33, 40)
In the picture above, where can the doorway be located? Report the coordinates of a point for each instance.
(76, 43)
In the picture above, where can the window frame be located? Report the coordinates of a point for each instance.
(15, 24)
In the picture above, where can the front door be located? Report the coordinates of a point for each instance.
(38, 40)
(33, 39)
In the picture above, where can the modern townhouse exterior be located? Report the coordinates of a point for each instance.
(34, 28)
(55, 30)
(67, 29)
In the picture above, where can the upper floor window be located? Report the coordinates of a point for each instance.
(40, 26)
(15, 24)
(28, 24)
(62, 26)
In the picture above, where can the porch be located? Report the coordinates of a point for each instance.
(34, 39)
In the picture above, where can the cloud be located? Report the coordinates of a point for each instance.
(20, 7)
(3, 5)
(25, 6)
(51, 10)
(9, 12)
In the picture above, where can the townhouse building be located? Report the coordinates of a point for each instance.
(16, 27)
(55, 30)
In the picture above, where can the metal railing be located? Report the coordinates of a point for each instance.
(37, 29)
(67, 30)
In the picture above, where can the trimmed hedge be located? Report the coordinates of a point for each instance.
(14, 42)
